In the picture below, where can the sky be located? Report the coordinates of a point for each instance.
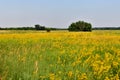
(59, 13)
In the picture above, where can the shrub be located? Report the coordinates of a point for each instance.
(48, 29)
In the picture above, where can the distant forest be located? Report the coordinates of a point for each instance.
(31, 28)
(106, 28)
(34, 28)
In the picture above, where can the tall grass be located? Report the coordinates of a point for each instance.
(60, 55)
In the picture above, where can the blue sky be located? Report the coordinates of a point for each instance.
(59, 13)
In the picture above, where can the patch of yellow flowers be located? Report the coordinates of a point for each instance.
(68, 55)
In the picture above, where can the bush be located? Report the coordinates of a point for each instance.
(80, 26)
(48, 29)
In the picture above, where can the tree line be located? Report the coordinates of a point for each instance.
(30, 28)
(17, 28)
(75, 26)
(106, 28)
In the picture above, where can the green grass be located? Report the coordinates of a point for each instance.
(35, 55)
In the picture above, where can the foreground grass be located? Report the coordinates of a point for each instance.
(60, 55)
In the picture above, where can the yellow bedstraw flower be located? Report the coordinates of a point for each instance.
(107, 68)
(70, 73)
(82, 76)
(52, 76)
(108, 56)
(117, 77)
(115, 64)
(106, 78)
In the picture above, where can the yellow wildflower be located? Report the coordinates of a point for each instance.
(52, 76)
(106, 78)
(70, 73)
(115, 64)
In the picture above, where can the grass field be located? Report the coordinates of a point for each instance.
(62, 55)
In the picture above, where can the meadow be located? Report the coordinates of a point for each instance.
(60, 55)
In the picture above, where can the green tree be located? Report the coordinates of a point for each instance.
(80, 26)
(38, 27)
